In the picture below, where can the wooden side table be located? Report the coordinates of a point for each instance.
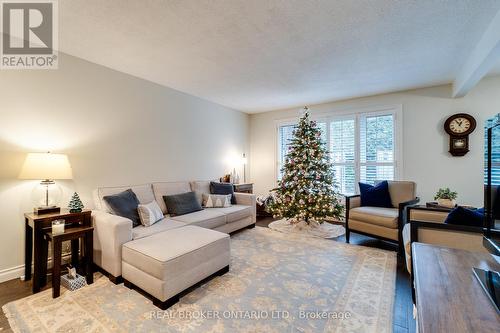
(35, 225)
(243, 188)
(72, 234)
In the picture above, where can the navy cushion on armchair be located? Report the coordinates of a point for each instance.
(375, 196)
(464, 216)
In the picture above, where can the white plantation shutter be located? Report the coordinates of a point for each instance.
(376, 148)
(362, 147)
(342, 150)
(285, 134)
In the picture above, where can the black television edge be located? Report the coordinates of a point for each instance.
(490, 280)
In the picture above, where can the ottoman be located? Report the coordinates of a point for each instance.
(168, 263)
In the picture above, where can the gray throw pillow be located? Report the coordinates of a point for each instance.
(183, 203)
(124, 204)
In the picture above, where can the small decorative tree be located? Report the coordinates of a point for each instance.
(307, 191)
(75, 204)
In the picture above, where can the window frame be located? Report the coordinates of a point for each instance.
(395, 110)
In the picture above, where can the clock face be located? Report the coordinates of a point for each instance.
(460, 125)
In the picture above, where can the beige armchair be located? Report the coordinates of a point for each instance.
(426, 225)
(382, 223)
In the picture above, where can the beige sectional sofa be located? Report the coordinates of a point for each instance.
(171, 255)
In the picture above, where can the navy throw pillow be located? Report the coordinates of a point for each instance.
(125, 204)
(183, 203)
(223, 188)
(464, 216)
(375, 196)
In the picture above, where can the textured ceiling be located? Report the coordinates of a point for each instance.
(261, 55)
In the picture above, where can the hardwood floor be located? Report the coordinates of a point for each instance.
(403, 307)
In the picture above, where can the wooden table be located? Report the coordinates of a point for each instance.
(35, 226)
(243, 188)
(76, 233)
(449, 297)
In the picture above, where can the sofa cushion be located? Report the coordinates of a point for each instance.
(143, 192)
(385, 217)
(168, 188)
(160, 226)
(234, 213)
(124, 204)
(207, 218)
(402, 191)
(199, 187)
(182, 203)
(374, 229)
(407, 238)
(167, 254)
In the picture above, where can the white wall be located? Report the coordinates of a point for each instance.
(425, 144)
(116, 129)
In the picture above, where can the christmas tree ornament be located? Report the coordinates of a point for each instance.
(75, 204)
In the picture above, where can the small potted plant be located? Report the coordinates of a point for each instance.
(446, 197)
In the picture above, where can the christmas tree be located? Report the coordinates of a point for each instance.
(307, 191)
(75, 204)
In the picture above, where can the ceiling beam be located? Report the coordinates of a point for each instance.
(483, 57)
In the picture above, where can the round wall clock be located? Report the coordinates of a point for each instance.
(459, 126)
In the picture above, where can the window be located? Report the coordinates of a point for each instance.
(284, 136)
(362, 147)
(376, 148)
(343, 156)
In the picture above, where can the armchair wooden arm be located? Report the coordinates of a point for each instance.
(401, 220)
(348, 206)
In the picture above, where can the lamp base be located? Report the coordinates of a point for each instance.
(46, 210)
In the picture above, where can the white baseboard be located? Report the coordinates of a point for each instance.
(11, 273)
(18, 271)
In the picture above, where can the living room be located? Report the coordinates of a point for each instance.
(210, 162)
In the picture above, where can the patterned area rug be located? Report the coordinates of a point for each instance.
(277, 283)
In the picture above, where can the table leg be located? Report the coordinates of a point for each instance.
(38, 235)
(89, 249)
(75, 248)
(28, 250)
(56, 267)
(44, 255)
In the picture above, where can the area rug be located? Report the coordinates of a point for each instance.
(323, 230)
(277, 283)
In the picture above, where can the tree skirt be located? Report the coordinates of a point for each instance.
(313, 229)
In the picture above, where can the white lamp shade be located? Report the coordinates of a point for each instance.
(41, 166)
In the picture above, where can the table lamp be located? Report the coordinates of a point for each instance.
(46, 167)
(244, 162)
